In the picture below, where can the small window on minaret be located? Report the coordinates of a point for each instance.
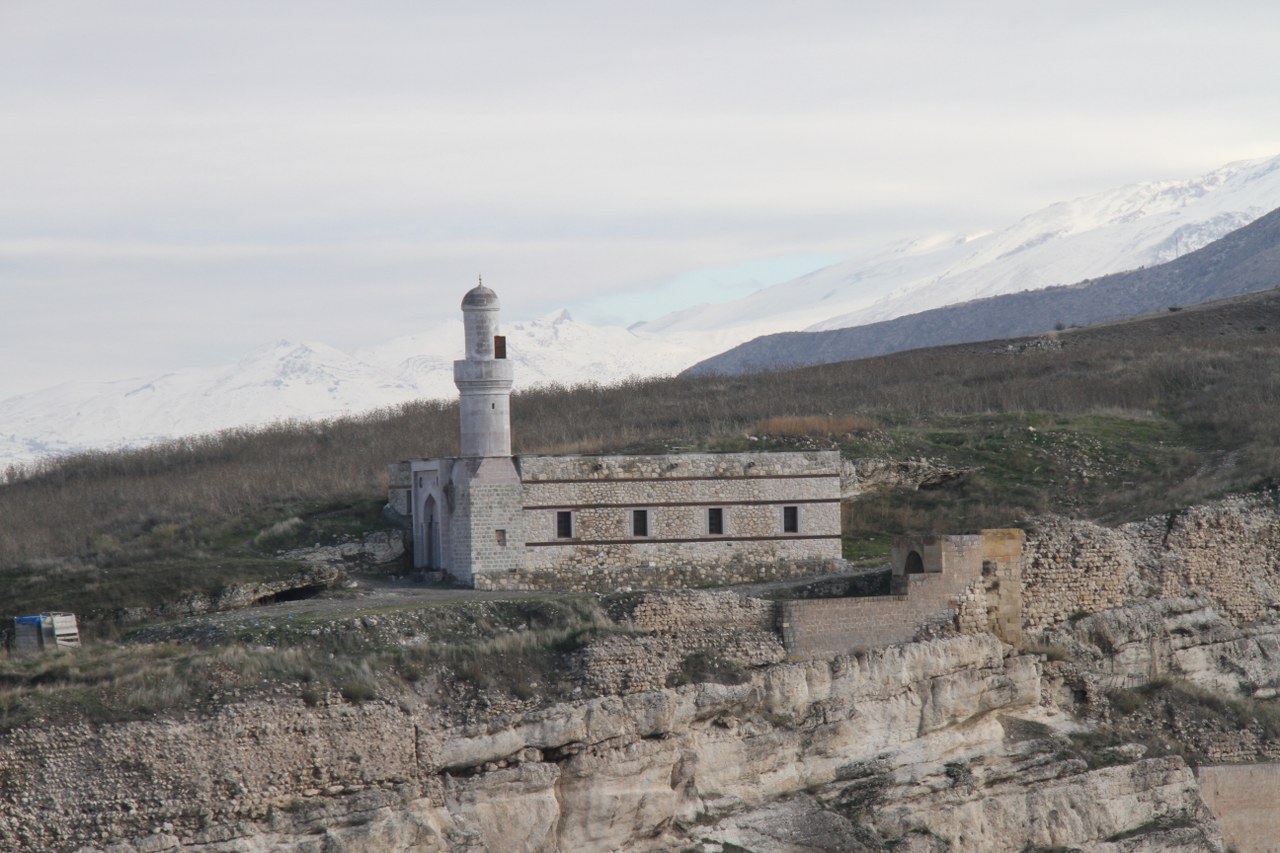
(499, 346)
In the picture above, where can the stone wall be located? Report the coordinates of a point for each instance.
(677, 491)
(1243, 797)
(823, 627)
(971, 584)
(691, 635)
(491, 535)
(628, 578)
(1074, 567)
(1228, 552)
(1002, 585)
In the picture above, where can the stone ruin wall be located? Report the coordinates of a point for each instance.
(1228, 552)
(730, 629)
(972, 585)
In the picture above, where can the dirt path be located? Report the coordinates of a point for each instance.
(366, 595)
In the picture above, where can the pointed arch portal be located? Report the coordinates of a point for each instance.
(431, 533)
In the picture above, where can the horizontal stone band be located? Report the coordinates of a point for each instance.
(587, 480)
(654, 504)
(650, 540)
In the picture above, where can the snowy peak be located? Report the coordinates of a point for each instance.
(302, 369)
(1133, 226)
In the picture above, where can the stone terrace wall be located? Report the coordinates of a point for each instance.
(1228, 552)
(730, 631)
(1243, 798)
(628, 578)
(819, 627)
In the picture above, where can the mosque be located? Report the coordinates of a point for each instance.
(491, 520)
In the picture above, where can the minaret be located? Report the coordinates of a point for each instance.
(484, 378)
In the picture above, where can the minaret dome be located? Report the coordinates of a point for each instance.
(483, 378)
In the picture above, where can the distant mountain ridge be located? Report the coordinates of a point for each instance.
(1126, 228)
(1245, 261)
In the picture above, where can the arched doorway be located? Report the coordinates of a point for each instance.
(914, 564)
(431, 534)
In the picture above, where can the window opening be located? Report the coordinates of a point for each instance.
(564, 524)
(640, 522)
(715, 521)
(791, 519)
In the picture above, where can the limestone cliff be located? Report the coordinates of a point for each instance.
(946, 743)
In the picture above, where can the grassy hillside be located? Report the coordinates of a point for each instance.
(1113, 422)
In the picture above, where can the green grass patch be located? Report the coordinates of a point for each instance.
(867, 550)
(1023, 464)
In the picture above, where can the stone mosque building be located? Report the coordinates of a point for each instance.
(491, 520)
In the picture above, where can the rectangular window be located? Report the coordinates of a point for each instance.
(715, 521)
(564, 524)
(791, 519)
(639, 522)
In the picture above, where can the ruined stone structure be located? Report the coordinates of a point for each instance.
(965, 583)
(492, 520)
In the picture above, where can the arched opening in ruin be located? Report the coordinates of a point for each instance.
(914, 564)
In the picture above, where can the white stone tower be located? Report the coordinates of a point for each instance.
(484, 379)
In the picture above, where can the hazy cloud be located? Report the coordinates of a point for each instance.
(183, 181)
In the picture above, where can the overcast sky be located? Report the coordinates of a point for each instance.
(182, 181)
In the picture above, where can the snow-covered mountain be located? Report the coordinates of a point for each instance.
(1127, 228)
(311, 381)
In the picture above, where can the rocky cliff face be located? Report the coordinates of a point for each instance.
(947, 744)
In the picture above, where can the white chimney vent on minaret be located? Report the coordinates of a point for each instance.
(484, 378)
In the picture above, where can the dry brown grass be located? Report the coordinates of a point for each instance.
(815, 426)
